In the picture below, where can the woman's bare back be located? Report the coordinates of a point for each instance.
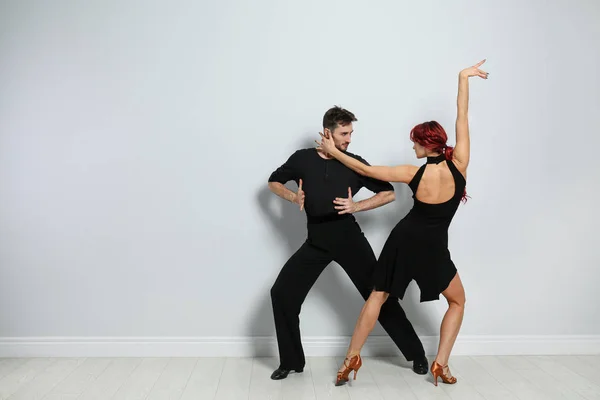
(437, 184)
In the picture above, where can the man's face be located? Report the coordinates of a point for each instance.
(342, 136)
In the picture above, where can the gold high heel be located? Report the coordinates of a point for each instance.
(438, 371)
(354, 364)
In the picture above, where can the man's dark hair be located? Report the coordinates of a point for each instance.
(337, 116)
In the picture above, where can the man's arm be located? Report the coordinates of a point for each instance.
(384, 193)
(348, 206)
(280, 190)
(378, 200)
(285, 173)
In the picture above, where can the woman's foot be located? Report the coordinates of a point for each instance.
(352, 362)
(442, 372)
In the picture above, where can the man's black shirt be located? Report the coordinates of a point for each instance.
(324, 179)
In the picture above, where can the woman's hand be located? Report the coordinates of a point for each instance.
(326, 144)
(474, 71)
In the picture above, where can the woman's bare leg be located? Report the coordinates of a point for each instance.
(366, 322)
(455, 295)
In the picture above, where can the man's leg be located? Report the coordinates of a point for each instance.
(358, 260)
(295, 280)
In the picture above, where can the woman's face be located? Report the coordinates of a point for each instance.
(419, 150)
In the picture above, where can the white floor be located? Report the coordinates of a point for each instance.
(512, 377)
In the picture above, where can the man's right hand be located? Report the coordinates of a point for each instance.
(299, 196)
(289, 195)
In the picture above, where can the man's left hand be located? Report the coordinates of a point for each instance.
(345, 205)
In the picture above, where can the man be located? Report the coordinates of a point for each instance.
(333, 235)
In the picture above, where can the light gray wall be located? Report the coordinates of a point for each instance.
(136, 140)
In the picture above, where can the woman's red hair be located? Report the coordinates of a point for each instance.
(432, 136)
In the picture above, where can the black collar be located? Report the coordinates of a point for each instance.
(436, 159)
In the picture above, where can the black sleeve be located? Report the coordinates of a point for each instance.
(374, 185)
(288, 171)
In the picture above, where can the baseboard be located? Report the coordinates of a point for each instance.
(267, 346)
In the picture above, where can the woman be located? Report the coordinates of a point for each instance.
(417, 247)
